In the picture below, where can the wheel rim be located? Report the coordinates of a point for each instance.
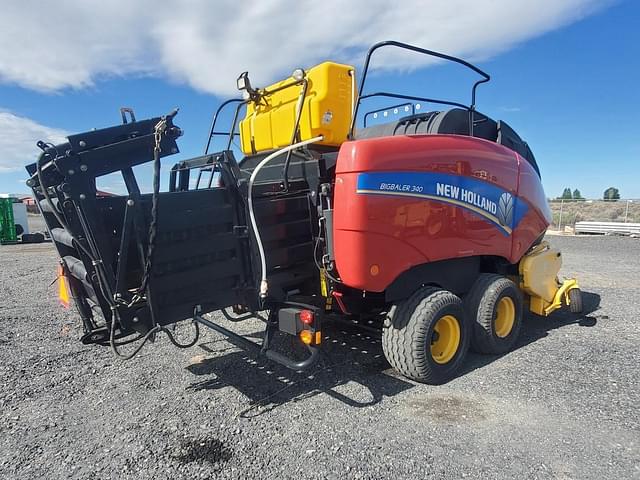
(445, 339)
(505, 317)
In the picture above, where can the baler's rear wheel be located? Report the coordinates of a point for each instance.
(494, 309)
(426, 336)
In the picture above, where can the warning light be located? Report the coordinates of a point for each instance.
(306, 317)
(306, 336)
(64, 295)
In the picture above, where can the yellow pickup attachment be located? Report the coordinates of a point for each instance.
(539, 279)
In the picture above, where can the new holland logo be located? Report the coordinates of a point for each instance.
(505, 209)
(483, 198)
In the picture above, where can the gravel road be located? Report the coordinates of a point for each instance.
(564, 404)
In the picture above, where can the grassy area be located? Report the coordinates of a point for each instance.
(595, 211)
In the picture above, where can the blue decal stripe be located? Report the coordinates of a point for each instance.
(483, 198)
(451, 201)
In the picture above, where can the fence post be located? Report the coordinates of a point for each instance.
(560, 219)
(626, 212)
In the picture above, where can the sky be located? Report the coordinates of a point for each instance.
(565, 73)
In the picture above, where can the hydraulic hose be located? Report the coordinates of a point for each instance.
(264, 287)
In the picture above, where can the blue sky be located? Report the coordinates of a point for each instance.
(567, 79)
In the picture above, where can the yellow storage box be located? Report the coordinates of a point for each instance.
(326, 111)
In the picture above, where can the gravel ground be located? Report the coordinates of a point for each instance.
(564, 404)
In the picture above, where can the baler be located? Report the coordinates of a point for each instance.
(429, 227)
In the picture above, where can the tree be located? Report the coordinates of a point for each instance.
(611, 193)
(577, 195)
(566, 194)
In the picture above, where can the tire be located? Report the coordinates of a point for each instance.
(426, 337)
(32, 238)
(575, 300)
(494, 309)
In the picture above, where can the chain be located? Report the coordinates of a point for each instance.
(160, 129)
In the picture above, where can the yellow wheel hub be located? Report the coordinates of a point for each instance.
(446, 339)
(505, 317)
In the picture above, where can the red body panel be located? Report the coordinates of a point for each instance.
(539, 216)
(380, 234)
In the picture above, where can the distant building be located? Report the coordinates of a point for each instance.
(28, 200)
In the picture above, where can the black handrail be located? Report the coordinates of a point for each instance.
(212, 131)
(406, 46)
(414, 98)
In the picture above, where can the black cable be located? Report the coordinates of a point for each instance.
(145, 339)
(186, 345)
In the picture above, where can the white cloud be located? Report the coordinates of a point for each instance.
(71, 43)
(18, 137)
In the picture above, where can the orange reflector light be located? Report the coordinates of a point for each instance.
(310, 338)
(64, 295)
(306, 317)
(306, 336)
